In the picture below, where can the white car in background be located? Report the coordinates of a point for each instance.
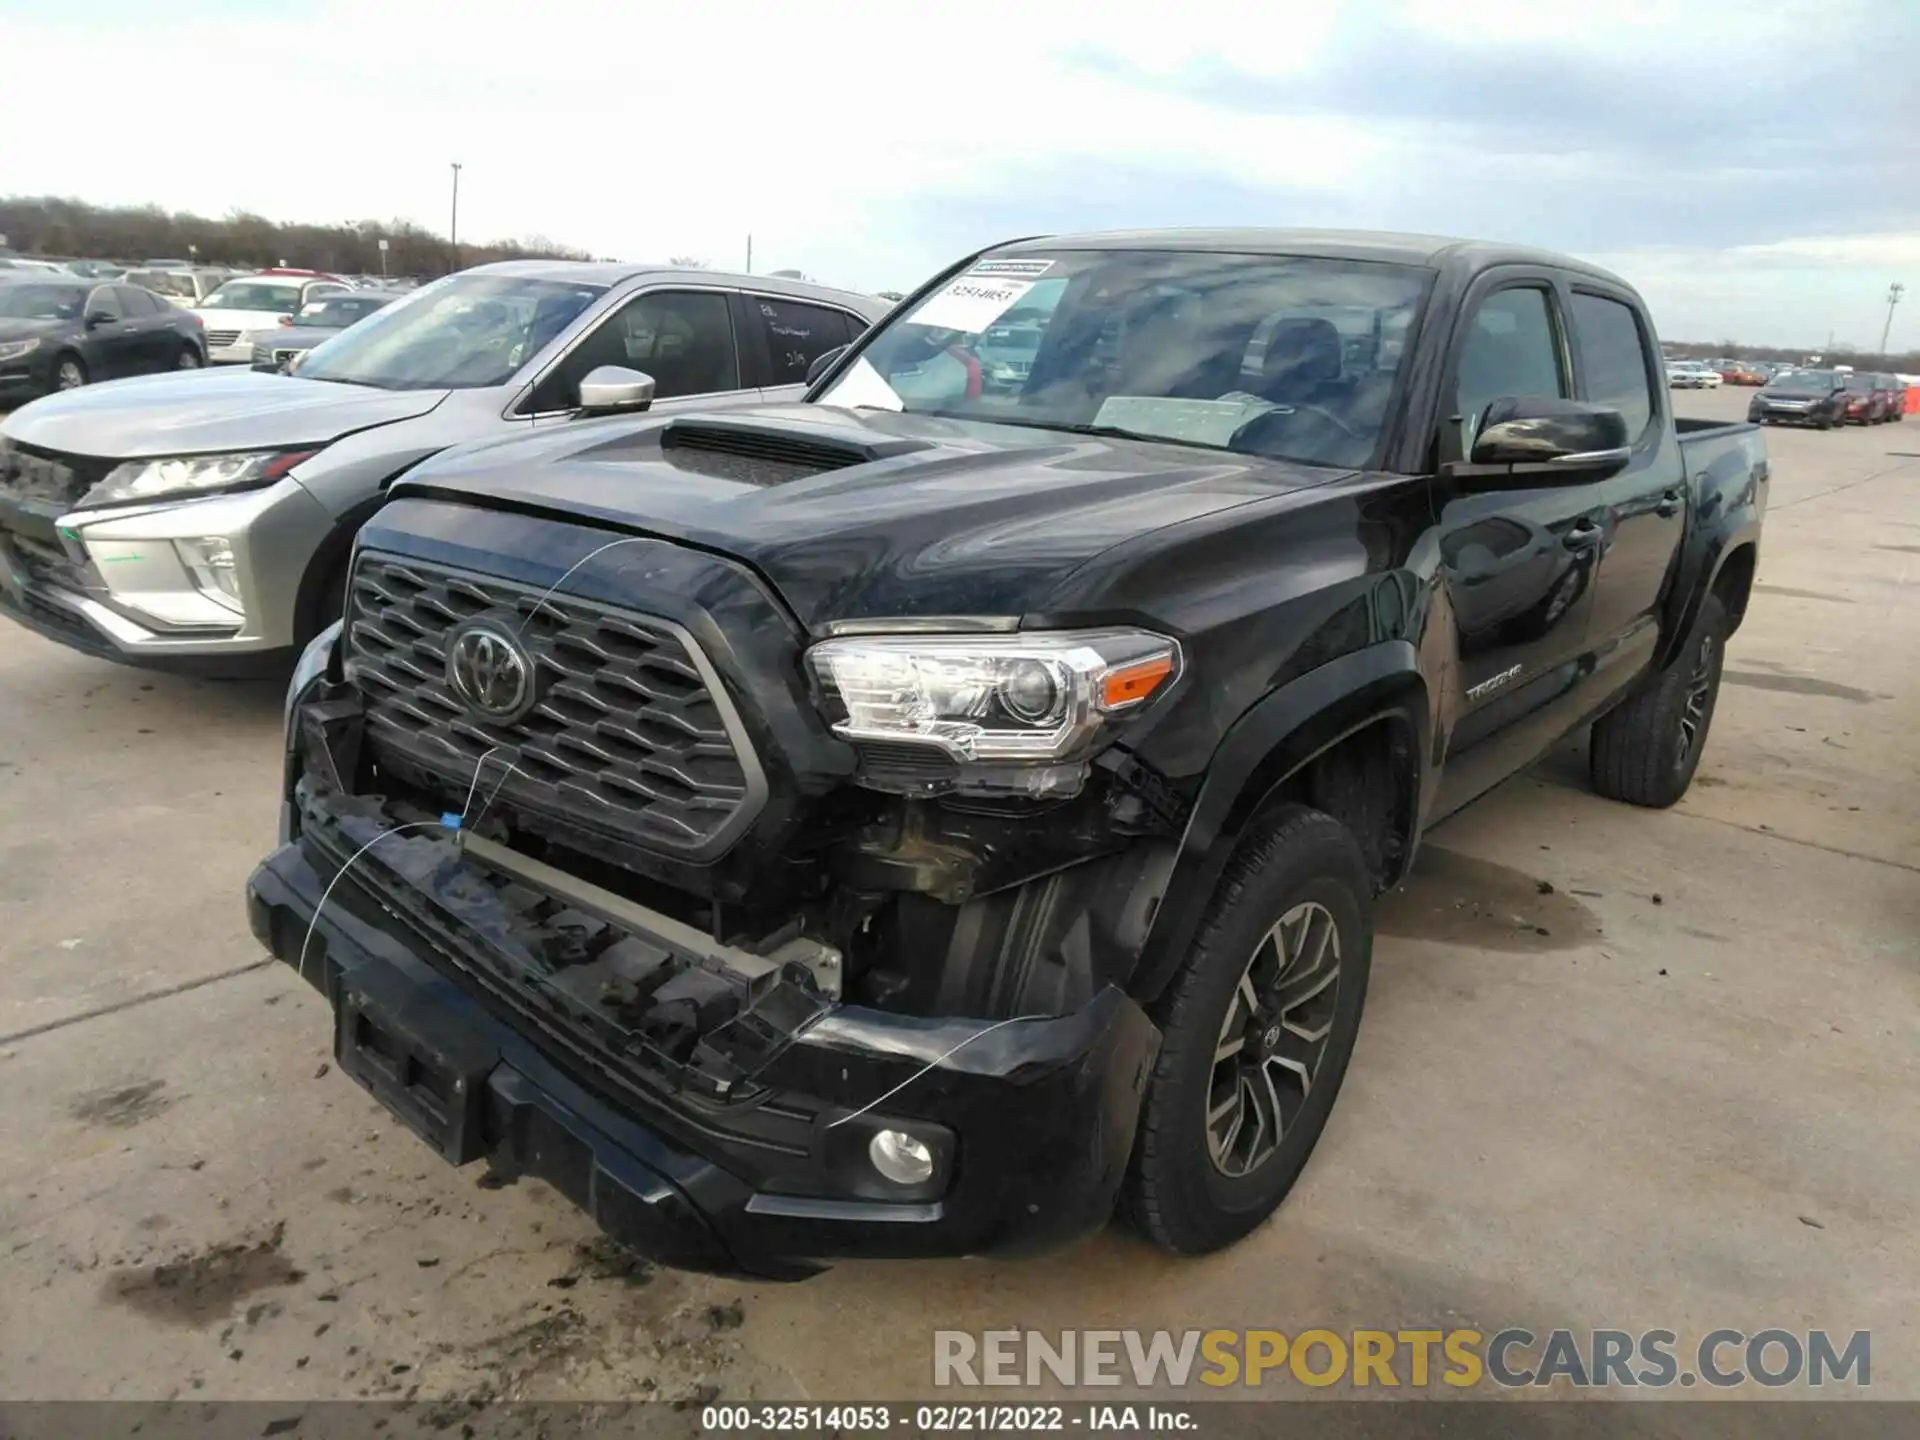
(260, 301)
(1692, 375)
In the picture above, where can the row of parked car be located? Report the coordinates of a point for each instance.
(60, 330)
(1825, 398)
(749, 740)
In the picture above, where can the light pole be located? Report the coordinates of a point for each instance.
(1894, 292)
(453, 228)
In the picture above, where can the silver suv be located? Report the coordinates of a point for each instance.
(202, 521)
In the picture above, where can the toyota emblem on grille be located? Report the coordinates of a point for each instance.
(490, 669)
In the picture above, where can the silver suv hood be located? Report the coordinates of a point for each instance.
(201, 412)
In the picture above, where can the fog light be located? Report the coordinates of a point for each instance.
(900, 1158)
(210, 559)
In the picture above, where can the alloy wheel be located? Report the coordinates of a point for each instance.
(69, 375)
(189, 358)
(1699, 691)
(1272, 1039)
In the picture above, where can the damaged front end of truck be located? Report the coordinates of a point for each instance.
(607, 886)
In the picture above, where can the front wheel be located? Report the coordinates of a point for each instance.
(1257, 1029)
(69, 373)
(1646, 750)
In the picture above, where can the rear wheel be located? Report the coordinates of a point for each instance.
(1257, 1030)
(1646, 750)
(69, 373)
(189, 359)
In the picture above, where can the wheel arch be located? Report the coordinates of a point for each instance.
(332, 554)
(1351, 736)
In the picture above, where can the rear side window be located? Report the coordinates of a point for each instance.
(1511, 350)
(1613, 359)
(136, 301)
(797, 335)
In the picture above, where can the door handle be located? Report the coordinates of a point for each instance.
(1670, 503)
(1583, 536)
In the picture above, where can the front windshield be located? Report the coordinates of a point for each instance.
(1807, 380)
(1863, 382)
(1280, 356)
(466, 332)
(42, 302)
(255, 295)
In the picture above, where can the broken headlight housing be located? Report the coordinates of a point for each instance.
(1014, 713)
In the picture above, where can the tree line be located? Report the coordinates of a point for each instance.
(58, 228)
(1842, 353)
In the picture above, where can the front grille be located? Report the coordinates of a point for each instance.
(50, 477)
(626, 738)
(45, 564)
(220, 339)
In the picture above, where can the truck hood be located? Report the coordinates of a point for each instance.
(921, 516)
(205, 411)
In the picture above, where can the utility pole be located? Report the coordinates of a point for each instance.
(1894, 292)
(749, 252)
(453, 227)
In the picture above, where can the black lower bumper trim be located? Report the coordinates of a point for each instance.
(473, 1085)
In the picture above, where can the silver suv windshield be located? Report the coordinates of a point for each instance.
(1283, 356)
(466, 332)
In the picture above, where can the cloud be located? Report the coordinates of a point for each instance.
(869, 145)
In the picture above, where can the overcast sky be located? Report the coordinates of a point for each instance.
(1753, 166)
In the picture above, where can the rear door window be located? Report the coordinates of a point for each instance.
(1613, 359)
(796, 334)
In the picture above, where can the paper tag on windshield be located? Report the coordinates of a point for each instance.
(970, 303)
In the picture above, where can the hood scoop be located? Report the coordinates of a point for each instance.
(760, 454)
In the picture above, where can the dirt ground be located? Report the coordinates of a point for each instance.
(1619, 1068)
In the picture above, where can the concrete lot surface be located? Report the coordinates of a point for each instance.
(1676, 1090)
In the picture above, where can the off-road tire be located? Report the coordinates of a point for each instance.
(1642, 751)
(1174, 1193)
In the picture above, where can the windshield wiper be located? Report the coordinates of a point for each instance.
(1067, 427)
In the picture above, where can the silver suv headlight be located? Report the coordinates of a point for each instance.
(1023, 699)
(139, 480)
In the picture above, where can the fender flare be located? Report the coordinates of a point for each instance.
(1269, 744)
(1741, 530)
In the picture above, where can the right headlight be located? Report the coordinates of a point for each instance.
(1033, 698)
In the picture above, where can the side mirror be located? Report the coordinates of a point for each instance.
(97, 318)
(1542, 434)
(296, 360)
(824, 362)
(612, 389)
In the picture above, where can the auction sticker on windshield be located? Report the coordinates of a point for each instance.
(970, 303)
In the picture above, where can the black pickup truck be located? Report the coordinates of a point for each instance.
(917, 820)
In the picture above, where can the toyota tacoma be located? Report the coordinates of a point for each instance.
(921, 818)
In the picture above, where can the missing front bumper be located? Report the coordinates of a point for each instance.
(764, 1180)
